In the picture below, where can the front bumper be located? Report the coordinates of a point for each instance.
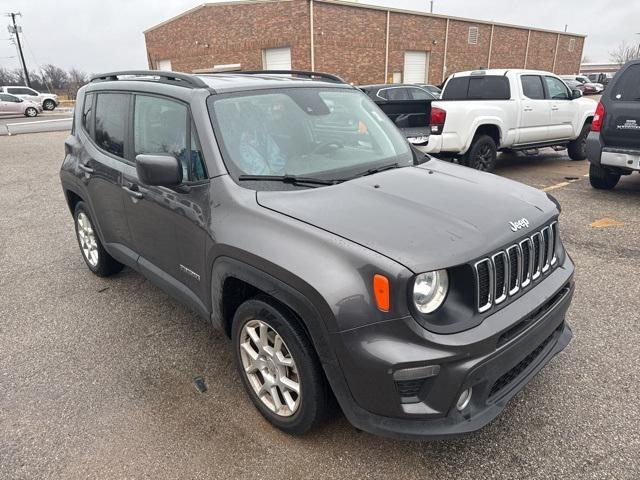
(474, 359)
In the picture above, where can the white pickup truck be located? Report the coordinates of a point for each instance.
(485, 111)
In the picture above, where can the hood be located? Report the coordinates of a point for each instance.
(432, 216)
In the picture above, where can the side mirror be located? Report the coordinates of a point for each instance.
(20, 100)
(575, 93)
(159, 170)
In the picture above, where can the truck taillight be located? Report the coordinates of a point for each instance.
(598, 118)
(438, 117)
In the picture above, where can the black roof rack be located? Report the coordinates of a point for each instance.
(171, 78)
(293, 73)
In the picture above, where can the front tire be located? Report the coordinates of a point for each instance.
(31, 112)
(279, 367)
(577, 148)
(603, 178)
(482, 155)
(93, 253)
(49, 105)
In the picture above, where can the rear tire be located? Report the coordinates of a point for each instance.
(31, 112)
(49, 105)
(93, 253)
(577, 148)
(263, 370)
(482, 155)
(603, 178)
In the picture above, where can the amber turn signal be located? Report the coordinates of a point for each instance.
(381, 291)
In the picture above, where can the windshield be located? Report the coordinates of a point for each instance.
(322, 133)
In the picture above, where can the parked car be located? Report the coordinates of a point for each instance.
(482, 112)
(408, 106)
(613, 145)
(49, 101)
(12, 105)
(432, 89)
(602, 78)
(590, 88)
(340, 261)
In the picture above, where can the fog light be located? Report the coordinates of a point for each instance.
(464, 399)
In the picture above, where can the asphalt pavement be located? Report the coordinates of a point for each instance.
(96, 375)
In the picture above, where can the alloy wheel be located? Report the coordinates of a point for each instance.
(270, 368)
(31, 112)
(87, 237)
(484, 158)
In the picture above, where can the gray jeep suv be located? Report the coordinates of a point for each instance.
(289, 211)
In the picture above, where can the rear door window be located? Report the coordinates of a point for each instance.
(532, 87)
(393, 94)
(627, 87)
(420, 94)
(112, 110)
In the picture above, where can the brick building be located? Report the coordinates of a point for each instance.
(361, 43)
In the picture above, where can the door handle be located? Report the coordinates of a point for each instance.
(528, 109)
(85, 169)
(133, 193)
(555, 108)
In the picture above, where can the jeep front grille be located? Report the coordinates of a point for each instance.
(515, 268)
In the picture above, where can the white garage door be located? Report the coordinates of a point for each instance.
(164, 65)
(415, 67)
(277, 59)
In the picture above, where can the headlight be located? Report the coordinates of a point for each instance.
(430, 290)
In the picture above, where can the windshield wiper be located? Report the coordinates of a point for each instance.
(291, 179)
(375, 170)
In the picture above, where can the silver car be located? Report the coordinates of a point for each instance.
(12, 105)
(49, 101)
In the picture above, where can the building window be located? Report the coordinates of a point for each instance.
(473, 35)
(164, 65)
(572, 44)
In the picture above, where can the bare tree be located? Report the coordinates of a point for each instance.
(55, 76)
(624, 52)
(7, 77)
(76, 79)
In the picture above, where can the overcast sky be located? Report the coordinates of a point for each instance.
(97, 36)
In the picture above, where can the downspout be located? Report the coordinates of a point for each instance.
(526, 52)
(313, 53)
(444, 59)
(555, 54)
(386, 51)
(490, 46)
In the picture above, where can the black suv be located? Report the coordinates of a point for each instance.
(289, 211)
(613, 145)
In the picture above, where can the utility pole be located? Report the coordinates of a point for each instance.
(431, 6)
(15, 29)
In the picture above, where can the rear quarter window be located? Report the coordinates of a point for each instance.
(627, 87)
(482, 87)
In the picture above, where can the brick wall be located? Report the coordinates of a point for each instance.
(509, 47)
(349, 41)
(412, 32)
(228, 34)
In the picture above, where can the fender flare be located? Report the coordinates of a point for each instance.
(489, 121)
(311, 312)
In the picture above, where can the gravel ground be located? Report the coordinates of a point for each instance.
(96, 375)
